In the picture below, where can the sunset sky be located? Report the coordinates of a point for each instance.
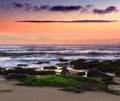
(59, 22)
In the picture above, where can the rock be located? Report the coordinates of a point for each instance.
(16, 76)
(50, 67)
(19, 70)
(22, 65)
(110, 67)
(65, 71)
(65, 64)
(82, 64)
(1, 69)
(26, 71)
(63, 60)
(6, 72)
(78, 64)
(42, 62)
(30, 71)
(117, 74)
(96, 73)
(81, 73)
(105, 66)
(109, 81)
(92, 64)
(116, 68)
(45, 72)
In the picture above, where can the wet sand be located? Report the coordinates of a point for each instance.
(10, 92)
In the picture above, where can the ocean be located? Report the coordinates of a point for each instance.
(11, 55)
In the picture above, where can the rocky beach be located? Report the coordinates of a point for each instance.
(95, 72)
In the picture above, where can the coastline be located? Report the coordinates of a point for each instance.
(10, 92)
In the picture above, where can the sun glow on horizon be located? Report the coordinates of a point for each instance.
(60, 32)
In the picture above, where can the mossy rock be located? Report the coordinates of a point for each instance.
(72, 83)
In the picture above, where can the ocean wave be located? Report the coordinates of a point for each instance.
(102, 53)
(31, 54)
(4, 54)
(58, 53)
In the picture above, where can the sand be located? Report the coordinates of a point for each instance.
(10, 92)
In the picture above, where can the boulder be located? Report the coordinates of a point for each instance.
(30, 71)
(42, 62)
(117, 74)
(96, 73)
(78, 64)
(1, 69)
(63, 60)
(109, 81)
(110, 67)
(6, 72)
(45, 72)
(19, 70)
(63, 64)
(16, 76)
(81, 73)
(65, 71)
(105, 66)
(92, 64)
(50, 67)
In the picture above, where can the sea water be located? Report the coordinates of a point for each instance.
(11, 55)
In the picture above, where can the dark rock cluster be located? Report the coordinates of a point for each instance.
(98, 69)
(105, 66)
(16, 76)
(50, 67)
(30, 71)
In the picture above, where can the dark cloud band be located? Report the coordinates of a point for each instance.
(109, 9)
(28, 7)
(72, 21)
(62, 8)
(65, 8)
